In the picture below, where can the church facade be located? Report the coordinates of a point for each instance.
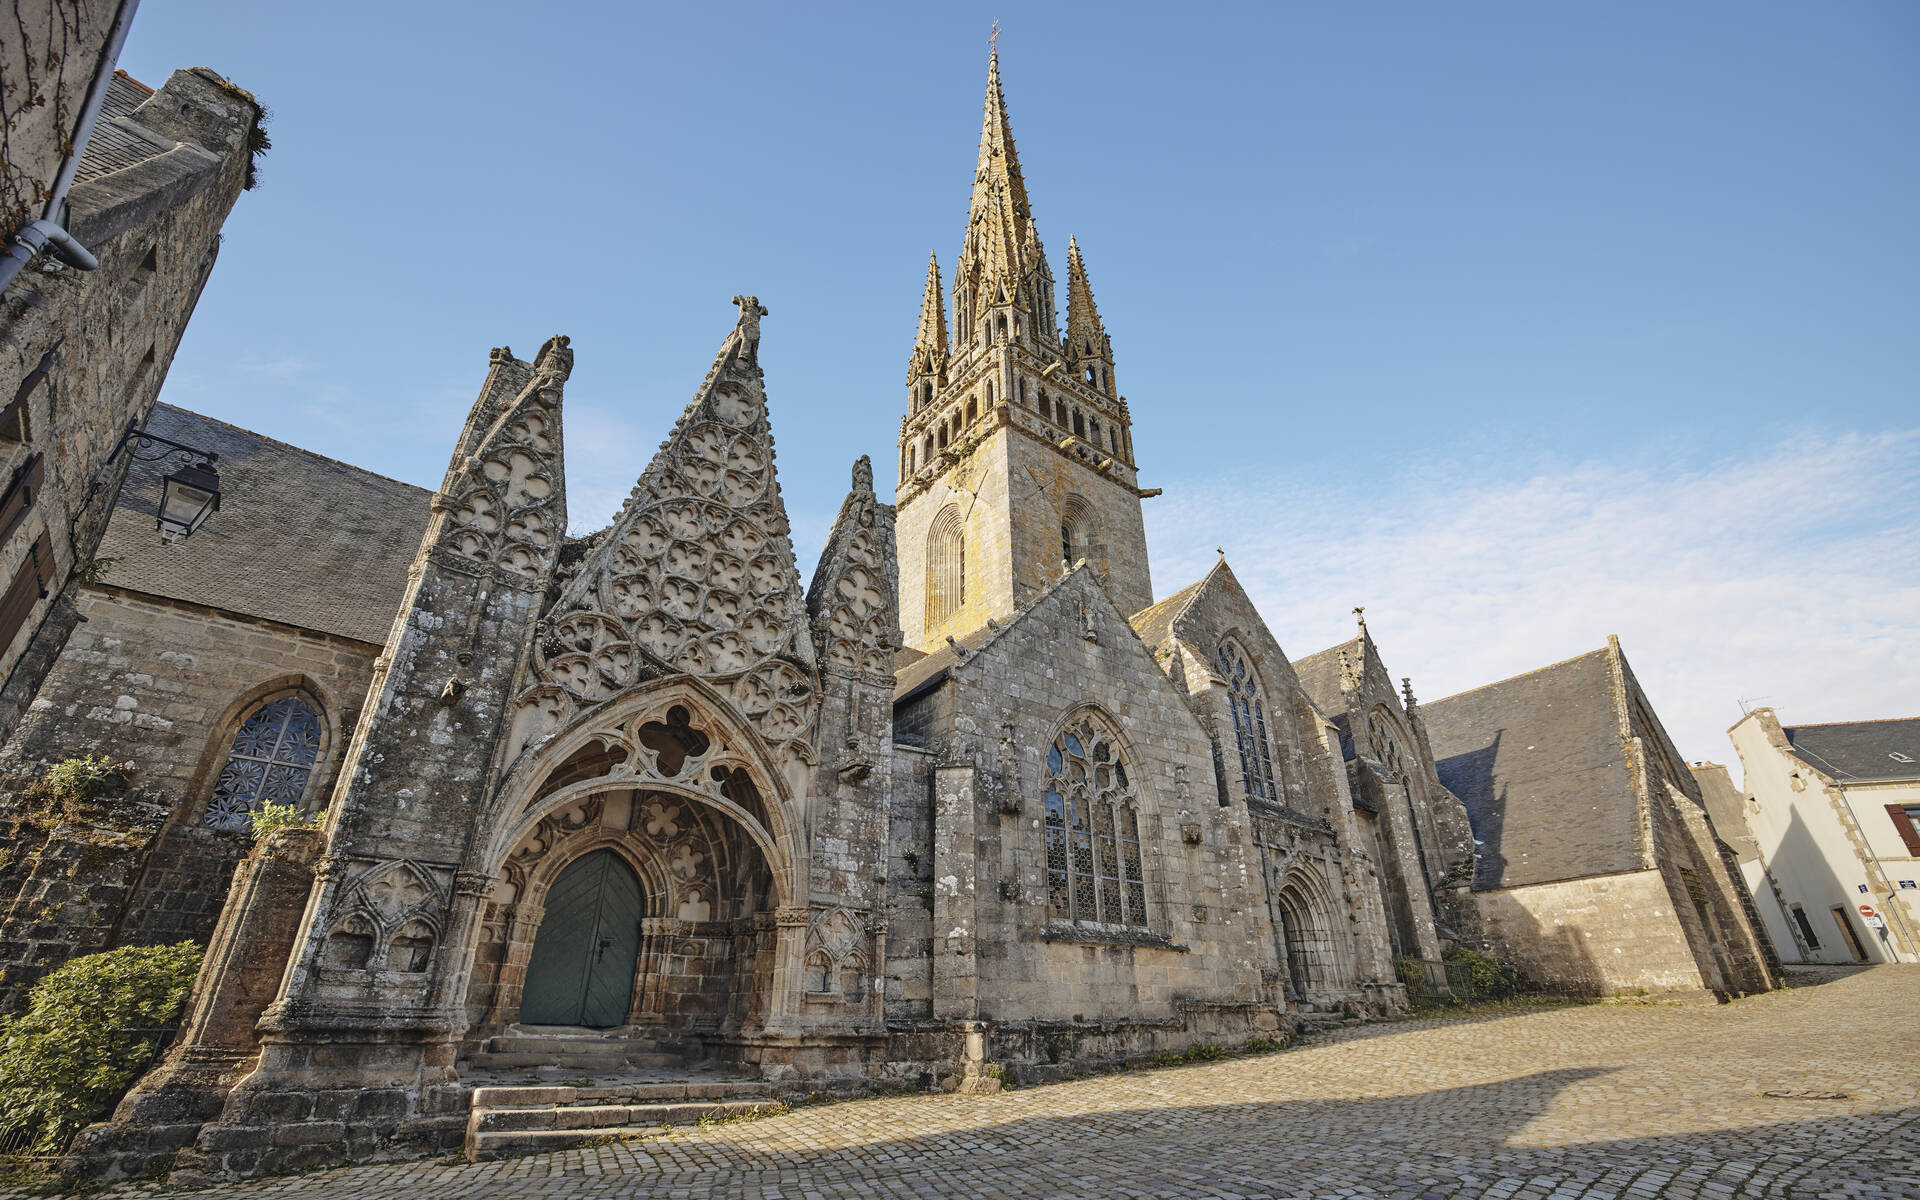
(968, 797)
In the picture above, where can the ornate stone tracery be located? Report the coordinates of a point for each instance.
(695, 576)
(502, 505)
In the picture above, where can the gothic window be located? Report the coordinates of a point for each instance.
(1092, 830)
(946, 565)
(1249, 723)
(1079, 424)
(943, 435)
(1385, 746)
(973, 409)
(1079, 532)
(270, 762)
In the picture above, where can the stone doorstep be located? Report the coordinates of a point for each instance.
(497, 1133)
(563, 1096)
(601, 1116)
(575, 1060)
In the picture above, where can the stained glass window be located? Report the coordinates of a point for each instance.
(1249, 723)
(270, 762)
(1092, 830)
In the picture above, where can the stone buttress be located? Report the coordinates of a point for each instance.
(357, 1048)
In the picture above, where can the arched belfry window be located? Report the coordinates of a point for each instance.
(1092, 830)
(1249, 707)
(270, 762)
(946, 565)
(1079, 532)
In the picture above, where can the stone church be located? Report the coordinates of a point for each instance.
(968, 799)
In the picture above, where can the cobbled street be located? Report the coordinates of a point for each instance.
(1615, 1100)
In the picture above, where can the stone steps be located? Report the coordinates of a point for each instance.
(510, 1121)
(571, 1050)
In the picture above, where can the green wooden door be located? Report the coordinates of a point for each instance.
(581, 972)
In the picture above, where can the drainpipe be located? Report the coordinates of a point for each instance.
(49, 231)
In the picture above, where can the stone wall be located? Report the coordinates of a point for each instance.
(1597, 936)
(1072, 652)
(64, 885)
(47, 64)
(158, 687)
(84, 353)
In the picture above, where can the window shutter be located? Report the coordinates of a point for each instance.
(27, 589)
(20, 496)
(1904, 823)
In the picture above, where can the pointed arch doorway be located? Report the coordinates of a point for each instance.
(585, 952)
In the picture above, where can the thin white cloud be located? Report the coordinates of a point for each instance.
(1789, 576)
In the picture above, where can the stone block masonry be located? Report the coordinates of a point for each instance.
(158, 687)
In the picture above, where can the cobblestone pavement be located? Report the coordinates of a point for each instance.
(1617, 1100)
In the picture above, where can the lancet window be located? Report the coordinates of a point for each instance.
(1249, 723)
(1092, 830)
(270, 762)
(946, 565)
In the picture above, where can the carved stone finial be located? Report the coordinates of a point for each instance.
(751, 310)
(1406, 692)
(1360, 615)
(554, 364)
(863, 474)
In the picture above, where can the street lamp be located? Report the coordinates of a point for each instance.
(187, 497)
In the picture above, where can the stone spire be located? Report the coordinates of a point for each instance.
(1002, 265)
(929, 361)
(1088, 348)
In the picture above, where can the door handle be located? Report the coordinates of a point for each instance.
(606, 943)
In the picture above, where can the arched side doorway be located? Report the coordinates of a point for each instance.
(584, 954)
(1317, 966)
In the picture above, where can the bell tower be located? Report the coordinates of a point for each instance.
(1016, 451)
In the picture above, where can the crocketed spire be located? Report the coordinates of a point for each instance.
(1086, 336)
(1002, 263)
(929, 359)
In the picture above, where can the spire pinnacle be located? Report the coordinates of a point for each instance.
(930, 341)
(1086, 336)
(1001, 261)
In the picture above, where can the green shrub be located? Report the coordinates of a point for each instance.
(1413, 974)
(270, 816)
(1204, 1052)
(1167, 1058)
(89, 1028)
(1261, 1044)
(1490, 980)
(73, 782)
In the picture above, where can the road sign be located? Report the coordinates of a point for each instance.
(1866, 910)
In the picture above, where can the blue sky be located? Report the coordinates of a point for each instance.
(1519, 324)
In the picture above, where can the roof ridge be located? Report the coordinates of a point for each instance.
(1862, 721)
(315, 454)
(1511, 678)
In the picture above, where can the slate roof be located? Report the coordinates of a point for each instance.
(299, 539)
(1154, 623)
(1538, 762)
(117, 142)
(931, 668)
(1319, 676)
(1859, 751)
